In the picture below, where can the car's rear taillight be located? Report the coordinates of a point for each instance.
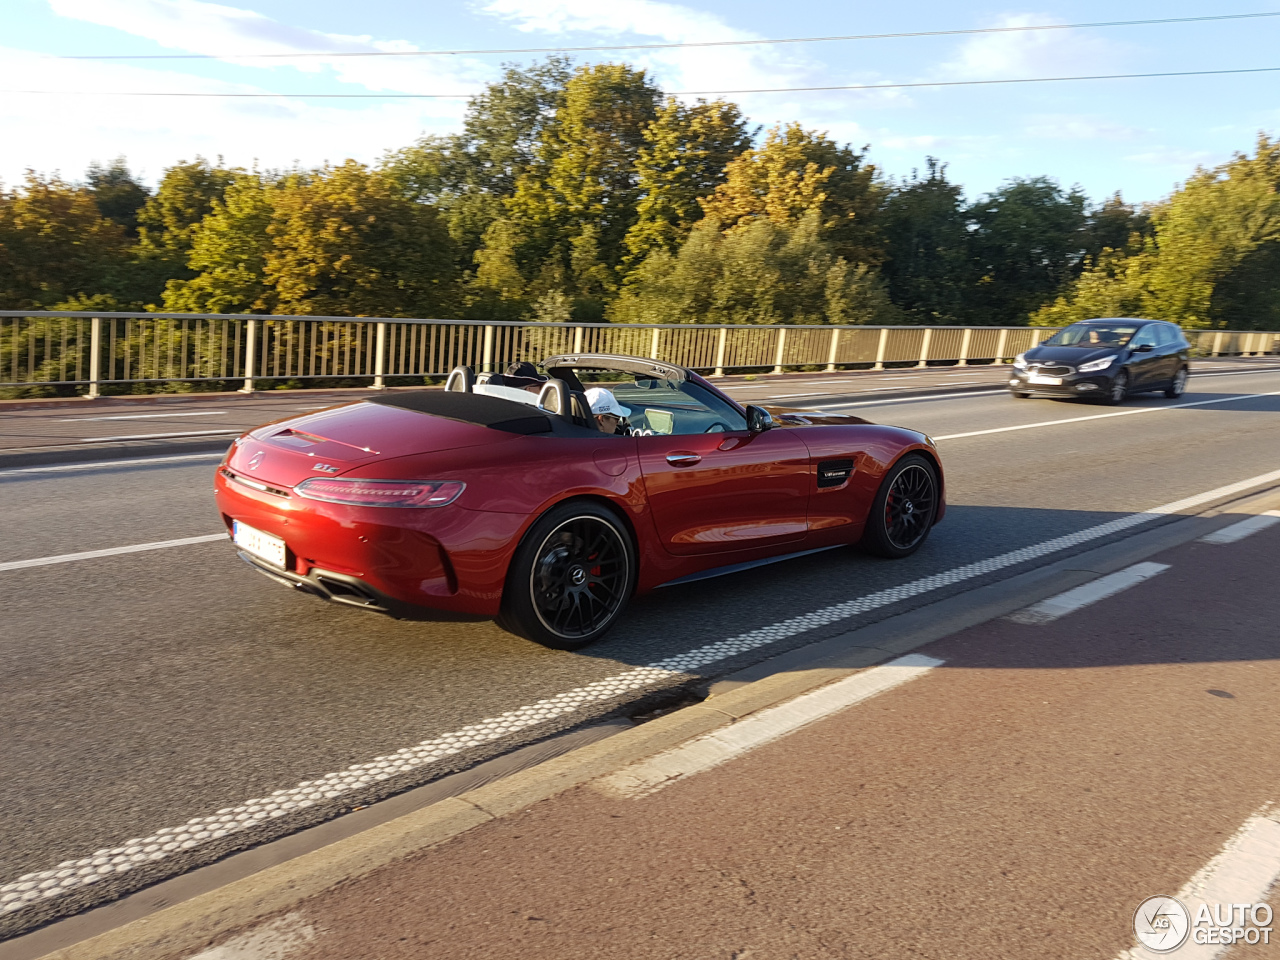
(381, 493)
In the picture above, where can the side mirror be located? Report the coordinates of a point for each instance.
(1143, 348)
(758, 419)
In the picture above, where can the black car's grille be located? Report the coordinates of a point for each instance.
(1051, 369)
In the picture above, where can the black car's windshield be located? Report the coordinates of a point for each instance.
(1092, 335)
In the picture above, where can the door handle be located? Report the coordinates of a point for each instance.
(683, 459)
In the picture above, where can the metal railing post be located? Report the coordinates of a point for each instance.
(720, 339)
(782, 343)
(577, 340)
(964, 347)
(924, 347)
(250, 357)
(880, 348)
(1217, 344)
(95, 357)
(831, 354)
(380, 358)
(486, 360)
(653, 349)
(1035, 337)
(1000, 345)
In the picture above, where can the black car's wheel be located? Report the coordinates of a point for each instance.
(1019, 395)
(1179, 384)
(1118, 390)
(904, 508)
(570, 577)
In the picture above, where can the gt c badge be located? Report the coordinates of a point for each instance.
(325, 468)
(257, 459)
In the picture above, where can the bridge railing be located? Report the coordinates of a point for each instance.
(89, 351)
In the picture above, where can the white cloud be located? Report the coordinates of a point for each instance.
(215, 30)
(1033, 53)
(65, 131)
(1080, 127)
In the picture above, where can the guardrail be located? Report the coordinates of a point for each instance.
(95, 350)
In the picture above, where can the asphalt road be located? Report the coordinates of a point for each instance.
(139, 691)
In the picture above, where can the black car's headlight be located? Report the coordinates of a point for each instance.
(1095, 366)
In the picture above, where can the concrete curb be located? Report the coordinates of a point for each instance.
(186, 927)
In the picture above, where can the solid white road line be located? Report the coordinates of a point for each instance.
(1238, 531)
(108, 464)
(1087, 594)
(702, 753)
(71, 874)
(1106, 416)
(1241, 873)
(109, 552)
(226, 432)
(146, 416)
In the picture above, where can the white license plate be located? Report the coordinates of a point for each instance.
(262, 545)
(1047, 381)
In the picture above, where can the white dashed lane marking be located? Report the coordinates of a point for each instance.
(1107, 416)
(109, 552)
(225, 432)
(1245, 528)
(109, 464)
(1087, 594)
(71, 874)
(146, 416)
(703, 753)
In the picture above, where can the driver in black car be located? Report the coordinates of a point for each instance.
(609, 413)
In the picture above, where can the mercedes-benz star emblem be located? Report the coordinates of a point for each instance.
(257, 459)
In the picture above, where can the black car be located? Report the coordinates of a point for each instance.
(1105, 360)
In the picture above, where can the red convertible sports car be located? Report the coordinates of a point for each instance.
(502, 496)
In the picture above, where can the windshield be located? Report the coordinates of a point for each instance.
(670, 407)
(1092, 335)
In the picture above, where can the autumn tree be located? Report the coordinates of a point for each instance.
(56, 245)
(686, 151)
(347, 242)
(797, 171)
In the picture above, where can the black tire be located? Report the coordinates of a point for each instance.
(570, 578)
(1118, 389)
(904, 509)
(1019, 395)
(1178, 386)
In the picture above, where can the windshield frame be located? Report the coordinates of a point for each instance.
(1075, 334)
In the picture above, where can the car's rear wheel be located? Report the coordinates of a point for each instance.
(1019, 395)
(1118, 390)
(570, 577)
(904, 508)
(1179, 384)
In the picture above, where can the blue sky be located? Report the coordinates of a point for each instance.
(1140, 137)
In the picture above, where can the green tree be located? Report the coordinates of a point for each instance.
(467, 175)
(1026, 243)
(685, 154)
(56, 245)
(926, 236)
(347, 242)
(582, 191)
(168, 222)
(797, 171)
(763, 272)
(118, 193)
(228, 255)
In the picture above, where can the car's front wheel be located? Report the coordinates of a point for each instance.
(904, 508)
(1118, 390)
(1179, 384)
(570, 577)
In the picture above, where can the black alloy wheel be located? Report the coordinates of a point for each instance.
(1019, 394)
(1118, 390)
(1179, 384)
(570, 577)
(904, 509)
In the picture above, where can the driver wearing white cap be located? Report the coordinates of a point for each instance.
(606, 409)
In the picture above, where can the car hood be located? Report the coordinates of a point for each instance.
(330, 442)
(1073, 356)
